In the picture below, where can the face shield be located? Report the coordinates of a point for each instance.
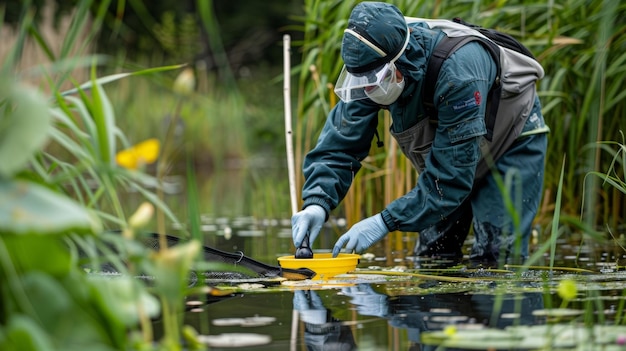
(352, 87)
(374, 83)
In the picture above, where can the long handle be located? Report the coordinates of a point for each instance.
(290, 162)
(288, 131)
(304, 251)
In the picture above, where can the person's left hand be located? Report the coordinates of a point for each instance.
(362, 235)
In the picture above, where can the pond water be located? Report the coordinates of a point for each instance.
(393, 302)
(365, 310)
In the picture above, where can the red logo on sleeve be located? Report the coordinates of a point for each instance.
(478, 97)
(470, 102)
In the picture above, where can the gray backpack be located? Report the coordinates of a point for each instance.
(517, 67)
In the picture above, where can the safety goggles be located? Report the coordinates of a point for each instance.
(352, 87)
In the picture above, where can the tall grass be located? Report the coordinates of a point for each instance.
(579, 43)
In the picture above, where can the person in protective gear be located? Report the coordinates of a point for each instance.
(385, 59)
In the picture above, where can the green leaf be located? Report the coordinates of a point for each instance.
(30, 253)
(123, 300)
(22, 333)
(24, 124)
(171, 268)
(118, 76)
(29, 208)
(102, 113)
(49, 300)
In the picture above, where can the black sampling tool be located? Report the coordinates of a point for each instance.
(304, 251)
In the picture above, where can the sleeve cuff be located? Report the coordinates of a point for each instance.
(389, 221)
(317, 201)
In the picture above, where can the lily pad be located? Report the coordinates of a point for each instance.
(235, 339)
(255, 321)
(557, 312)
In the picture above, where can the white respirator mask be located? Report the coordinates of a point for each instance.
(387, 93)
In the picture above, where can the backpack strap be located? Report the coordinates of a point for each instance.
(444, 49)
(500, 38)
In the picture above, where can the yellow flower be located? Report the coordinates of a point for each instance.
(141, 154)
(567, 289)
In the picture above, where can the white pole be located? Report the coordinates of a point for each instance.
(290, 161)
(288, 131)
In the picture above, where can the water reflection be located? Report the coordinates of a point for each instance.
(432, 312)
(351, 317)
(322, 331)
(414, 314)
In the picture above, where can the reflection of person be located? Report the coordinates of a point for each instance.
(321, 330)
(431, 312)
(384, 65)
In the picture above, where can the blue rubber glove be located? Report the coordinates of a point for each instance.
(309, 220)
(362, 235)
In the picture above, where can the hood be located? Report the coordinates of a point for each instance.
(375, 35)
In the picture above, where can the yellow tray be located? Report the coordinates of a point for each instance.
(323, 264)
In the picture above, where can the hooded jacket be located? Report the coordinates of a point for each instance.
(448, 159)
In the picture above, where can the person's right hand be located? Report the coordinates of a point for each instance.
(309, 220)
